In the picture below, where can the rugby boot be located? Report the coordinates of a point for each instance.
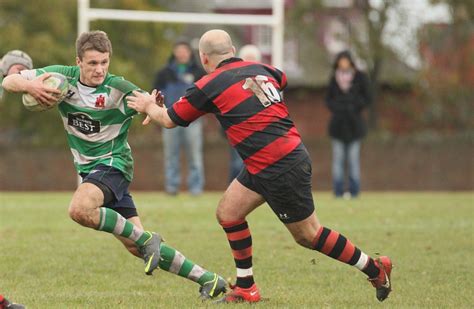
(213, 288)
(5, 304)
(382, 283)
(150, 252)
(238, 295)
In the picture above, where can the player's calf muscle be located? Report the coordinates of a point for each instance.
(303, 231)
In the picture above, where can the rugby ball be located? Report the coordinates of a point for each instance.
(56, 80)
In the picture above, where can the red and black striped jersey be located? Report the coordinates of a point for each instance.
(246, 99)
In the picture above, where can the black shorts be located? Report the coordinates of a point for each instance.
(114, 186)
(289, 195)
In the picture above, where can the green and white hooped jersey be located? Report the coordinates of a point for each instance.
(96, 120)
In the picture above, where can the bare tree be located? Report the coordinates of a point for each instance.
(448, 74)
(370, 46)
(365, 34)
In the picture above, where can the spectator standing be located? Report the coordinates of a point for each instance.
(348, 95)
(173, 80)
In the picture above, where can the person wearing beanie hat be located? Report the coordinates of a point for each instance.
(13, 62)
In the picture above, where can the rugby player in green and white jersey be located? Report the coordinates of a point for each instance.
(96, 119)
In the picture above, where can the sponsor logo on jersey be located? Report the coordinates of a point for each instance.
(83, 123)
(69, 94)
(100, 101)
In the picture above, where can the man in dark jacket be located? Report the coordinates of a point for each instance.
(173, 80)
(348, 94)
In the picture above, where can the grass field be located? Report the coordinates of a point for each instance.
(48, 261)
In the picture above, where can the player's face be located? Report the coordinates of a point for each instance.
(16, 68)
(93, 67)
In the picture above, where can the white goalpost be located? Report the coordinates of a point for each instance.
(86, 14)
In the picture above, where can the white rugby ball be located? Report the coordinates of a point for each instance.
(56, 80)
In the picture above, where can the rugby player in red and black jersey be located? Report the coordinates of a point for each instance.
(246, 99)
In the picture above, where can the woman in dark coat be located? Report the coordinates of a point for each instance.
(348, 95)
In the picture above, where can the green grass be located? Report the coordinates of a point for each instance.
(48, 261)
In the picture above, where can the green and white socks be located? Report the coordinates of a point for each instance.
(175, 262)
(171, 260)
(112, 222)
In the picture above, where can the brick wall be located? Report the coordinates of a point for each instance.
(397, 163)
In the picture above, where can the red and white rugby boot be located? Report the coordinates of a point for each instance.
(5, 304)
(382, 282)
(238, 295)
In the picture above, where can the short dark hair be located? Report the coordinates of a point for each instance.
(182, 42)
(93, 40)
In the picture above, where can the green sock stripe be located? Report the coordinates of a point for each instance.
(127, 230)
(101, 217)
(143, 238)
(186, 268)
(208, 276)
(109, 220)
(166, 256)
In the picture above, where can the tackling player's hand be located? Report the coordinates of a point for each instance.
(43, 94)
(140, 101)
(159, 100)
(152, 105)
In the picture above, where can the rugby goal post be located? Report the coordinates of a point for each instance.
(86, 14)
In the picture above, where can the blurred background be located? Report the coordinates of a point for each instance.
(418, 54)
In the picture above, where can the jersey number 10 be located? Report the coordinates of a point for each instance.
(264, 90)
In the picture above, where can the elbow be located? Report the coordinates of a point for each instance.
(13, 83)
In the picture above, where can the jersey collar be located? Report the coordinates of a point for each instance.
(227, 61)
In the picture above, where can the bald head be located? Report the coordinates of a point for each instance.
(215, 42)
(214, 47)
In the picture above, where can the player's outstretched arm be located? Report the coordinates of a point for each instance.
(152, 105)
(35, 87)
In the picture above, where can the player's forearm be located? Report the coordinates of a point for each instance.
(15, 83)
(160, 115)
